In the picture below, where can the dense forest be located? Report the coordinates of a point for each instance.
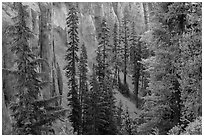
(112, 68)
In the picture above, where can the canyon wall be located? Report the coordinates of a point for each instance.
(48, 23)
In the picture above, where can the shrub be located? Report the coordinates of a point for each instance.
(194, 128)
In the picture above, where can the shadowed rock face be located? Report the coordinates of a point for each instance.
(48, 23)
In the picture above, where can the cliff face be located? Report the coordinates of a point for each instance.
(48, 23)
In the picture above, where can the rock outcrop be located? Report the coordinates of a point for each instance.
(48, 23)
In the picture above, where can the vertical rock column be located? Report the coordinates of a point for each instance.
(45, 48)
(55, 71)
(8, 57)
(47, 51)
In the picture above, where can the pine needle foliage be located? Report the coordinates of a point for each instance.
(115, 52)
(92, 120)
(83, 83)
(107, 99)
(100, 114)
(72, 59)
(104, 45)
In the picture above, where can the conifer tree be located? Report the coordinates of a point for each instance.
(31, 114)
(83, 85)
(106, 111)
(99, 67)
(115, 52)
(103, 104)
(104, 45)
(128, 123)
(125, 50)
(165, 77)
(109, 105)
(93, 118)
(102, 101)
(96, 103)
(105, 82)
(135, 57)
(72, 58)
(125, 39)
(120, 53)
(87, 114)
(119, 117)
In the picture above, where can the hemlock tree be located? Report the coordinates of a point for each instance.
(31, 115)
(72, 58)
(83, 85)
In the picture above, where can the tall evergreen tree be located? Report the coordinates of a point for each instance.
(106, 112)
(31, 114)
(119, 117)
(72, 58)
(83, 85)
(109, 105)
(99, 66)
(88, 110)
(135, 57)
(94, 110)
(128, 123)
(120, 52)
(125, 39)
(115, 51)
(104, 45)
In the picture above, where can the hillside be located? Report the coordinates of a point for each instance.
(65, 63)
(89, 19)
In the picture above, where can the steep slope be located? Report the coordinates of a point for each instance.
(126, 102)
(48, 23)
